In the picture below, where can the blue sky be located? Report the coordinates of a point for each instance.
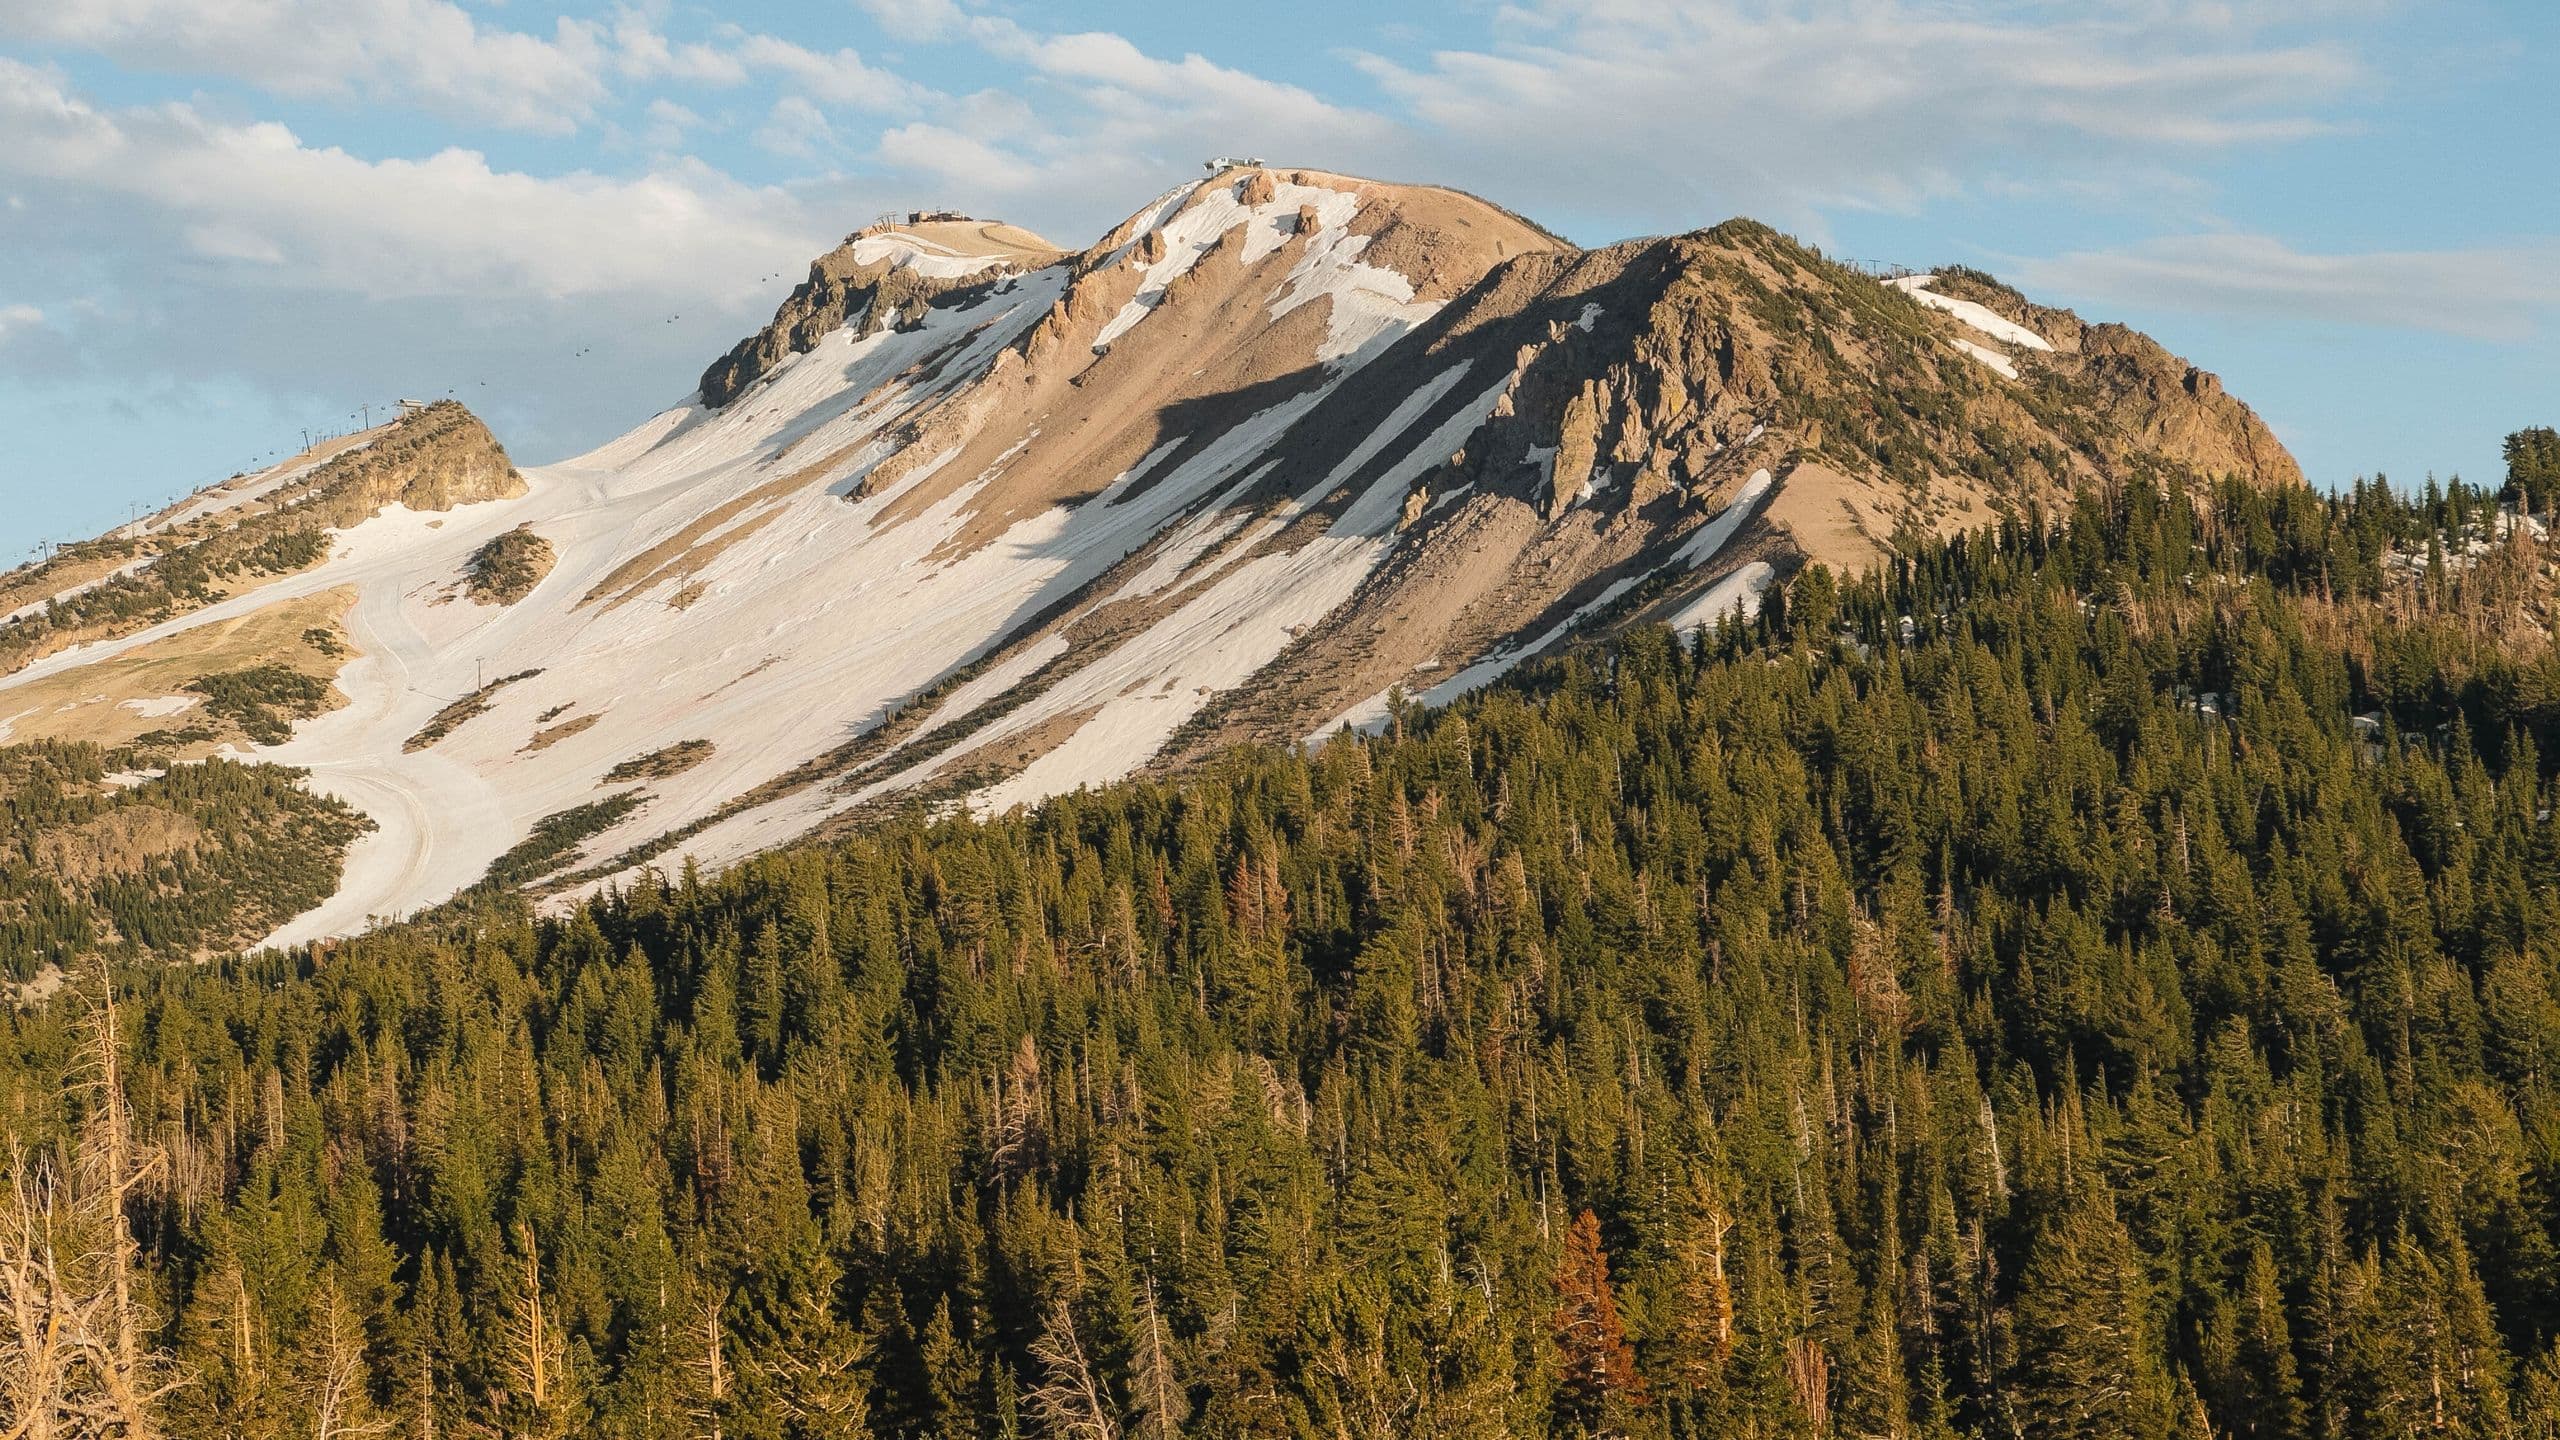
(227, 221)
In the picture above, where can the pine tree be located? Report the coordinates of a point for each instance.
(803, 1370)
(2249, 1358)
(950, 1374)
(332, 1372)
(1697, 1340)
(2533, 467)
(2087, 1367)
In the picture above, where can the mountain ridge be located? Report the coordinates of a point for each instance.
(977, 519)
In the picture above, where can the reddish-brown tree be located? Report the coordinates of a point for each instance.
(1596, 1382)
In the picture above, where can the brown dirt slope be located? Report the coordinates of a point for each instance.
(155, 695)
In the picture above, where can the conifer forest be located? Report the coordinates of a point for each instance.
(2095, 976)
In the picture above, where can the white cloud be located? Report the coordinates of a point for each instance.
(796, 127)
(838, 77)
(915, 19)
(31, 342)
(955, 158)
(740, 57)
(668, 124)
(1798, 106)
(424, 52)
(205, 253)
(1097, 124)
(435, 55)
(2487, 294)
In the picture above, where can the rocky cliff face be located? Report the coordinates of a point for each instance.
(1676, 367)
(2151, 399)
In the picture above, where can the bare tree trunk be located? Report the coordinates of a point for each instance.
(715, 1369)
(127, 1377)
(426, 1396)
(1162, 1407)
(539, 1353)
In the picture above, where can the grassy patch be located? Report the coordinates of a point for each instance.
(139, 695)
(658, 764)
(445, 721)
(545, 739)
(507, 568)
(262, 700)
(556, 838)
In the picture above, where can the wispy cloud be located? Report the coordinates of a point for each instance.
(1790, 109)
(1085, 115)
(211, 252)
(796, 127)
(2485, 294)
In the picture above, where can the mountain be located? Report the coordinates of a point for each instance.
(976, 520)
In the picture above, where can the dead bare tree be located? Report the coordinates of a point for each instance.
(40, 1316)
(75, 1362)
(537, 1355)
(1069, 1399)
(127, 1375)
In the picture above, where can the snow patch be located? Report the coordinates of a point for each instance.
(1707, 539)
(1981, 317)
(1737, 594)
(1147, 688)
(1371, 304)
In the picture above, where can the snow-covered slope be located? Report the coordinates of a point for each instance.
(980, 522)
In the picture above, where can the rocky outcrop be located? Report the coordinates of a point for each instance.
(870, 282)
(1673, 367)
(506, 569)
(2152, 400)
(435, 459)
